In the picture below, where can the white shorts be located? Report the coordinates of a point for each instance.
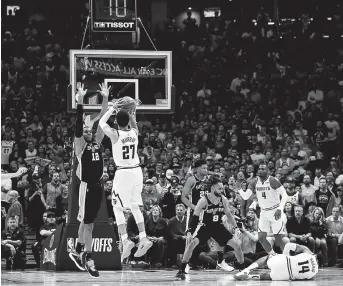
(278, 267)
(127, 187)
(268, 224)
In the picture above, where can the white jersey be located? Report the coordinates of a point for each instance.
(125, 149)
(6, 150)
(303, 266)
(268, 197)
(294, 199)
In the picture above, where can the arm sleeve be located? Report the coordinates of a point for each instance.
(79, 142)
(79, 121)
(99, 136)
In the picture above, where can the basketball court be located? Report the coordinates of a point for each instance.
(327, 276)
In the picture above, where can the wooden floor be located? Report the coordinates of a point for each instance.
(327, 276)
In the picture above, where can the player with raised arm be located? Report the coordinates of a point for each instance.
(272, 218)
(89, 170)
(128, 181)
(214, 205)
(303, 266)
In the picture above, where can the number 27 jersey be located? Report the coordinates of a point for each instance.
(125, 149)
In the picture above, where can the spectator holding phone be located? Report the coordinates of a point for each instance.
(36, 204)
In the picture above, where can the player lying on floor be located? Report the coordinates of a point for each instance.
(283, 267)
(213, 206)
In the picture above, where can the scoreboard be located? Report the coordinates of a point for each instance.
(113, 15)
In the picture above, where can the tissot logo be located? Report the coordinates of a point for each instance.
(98, 244)
(120, 25)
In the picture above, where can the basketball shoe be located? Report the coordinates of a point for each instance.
(127, 247)
(75, 256)
(143, 247)
(180, 275)
(88, 263)
(224, 266)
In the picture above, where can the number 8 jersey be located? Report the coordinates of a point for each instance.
(125, 149)
(213, 213)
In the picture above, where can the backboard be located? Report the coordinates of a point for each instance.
(143, 75)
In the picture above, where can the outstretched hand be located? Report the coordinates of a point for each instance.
(81, 92)
(104, 90)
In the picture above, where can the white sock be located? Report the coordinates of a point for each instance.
(142, 235)
(123, 237)
(252, 266)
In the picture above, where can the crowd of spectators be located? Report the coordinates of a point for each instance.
(245, 95)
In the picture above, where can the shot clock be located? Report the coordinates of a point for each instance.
(113, 15)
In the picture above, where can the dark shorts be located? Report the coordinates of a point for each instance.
(93, 202)
(216, 231)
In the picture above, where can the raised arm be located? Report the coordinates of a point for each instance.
(79, 141)
(133, 123)
(104, 91)
(186, 192)
(111, 133)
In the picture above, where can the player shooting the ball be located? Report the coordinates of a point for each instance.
(128, 180)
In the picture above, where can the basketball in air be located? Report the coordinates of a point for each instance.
(127, 104)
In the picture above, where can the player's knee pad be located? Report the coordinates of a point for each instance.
(137, 214)
(119, 214)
